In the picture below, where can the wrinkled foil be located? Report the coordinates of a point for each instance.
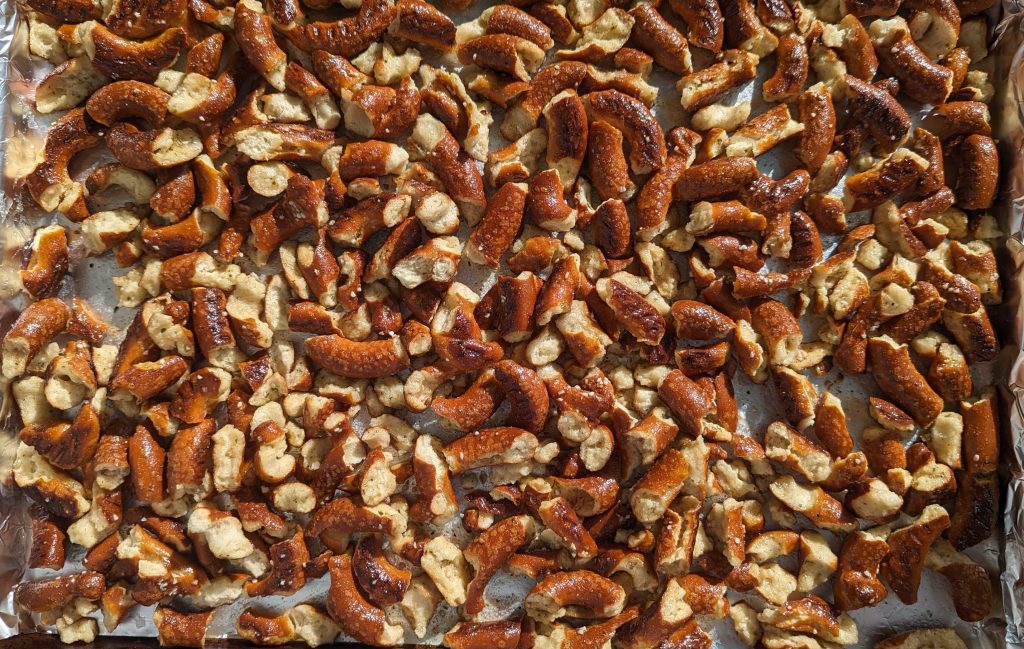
(15, 528)
(22, 132)
(1011, 35)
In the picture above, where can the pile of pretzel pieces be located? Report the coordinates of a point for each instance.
(294, 197)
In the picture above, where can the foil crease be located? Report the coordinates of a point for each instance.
(1011, 48)
(15, 527)
(21, 132)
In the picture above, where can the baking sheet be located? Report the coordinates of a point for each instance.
(22, 131)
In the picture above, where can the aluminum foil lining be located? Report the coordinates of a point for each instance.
(23, 131)
(1011, 134)
(15, 529)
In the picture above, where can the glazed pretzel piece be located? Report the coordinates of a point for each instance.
(303, 199)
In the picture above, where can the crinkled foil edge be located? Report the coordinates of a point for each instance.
(1011, 48)
(15, 527)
